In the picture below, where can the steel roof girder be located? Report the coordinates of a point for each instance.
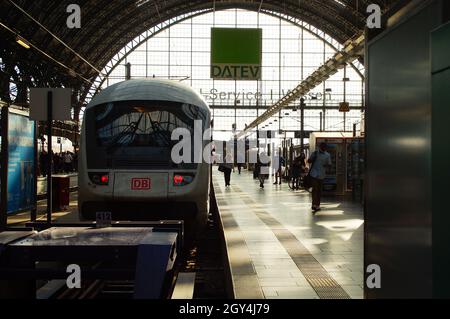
(339, 60)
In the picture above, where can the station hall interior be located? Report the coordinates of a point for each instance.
(224, 149)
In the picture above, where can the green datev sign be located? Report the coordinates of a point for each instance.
(236, 54)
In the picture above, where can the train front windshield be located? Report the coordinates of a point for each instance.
(137, 134)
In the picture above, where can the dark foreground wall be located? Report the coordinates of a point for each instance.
(399, 214)
(440, 51)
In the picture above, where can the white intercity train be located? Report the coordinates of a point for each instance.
(125, 162)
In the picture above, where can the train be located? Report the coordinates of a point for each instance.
(125, 162)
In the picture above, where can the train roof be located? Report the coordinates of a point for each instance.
(149, 89)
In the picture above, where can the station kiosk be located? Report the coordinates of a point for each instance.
(347, 160)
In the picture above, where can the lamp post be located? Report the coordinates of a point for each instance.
(302, 123)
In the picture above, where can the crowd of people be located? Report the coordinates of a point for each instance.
(65, 162)
(314, 173)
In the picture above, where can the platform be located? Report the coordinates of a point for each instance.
(278, 249)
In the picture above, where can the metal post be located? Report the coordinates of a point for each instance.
(50, 155)
(258, 91)
(169, 54)
(279, 122)
(192, 49)
(4, 171)
(235, 107)
(146, 59)
(345, 96)
(324, 104)
(235, 80)
(128, 71)
(280, 94)
(302, 124)
(257, 140)
(321, 126)
(211, 160)
(285, 153)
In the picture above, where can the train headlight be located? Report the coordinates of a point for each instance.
(99, 178)
(182, 179)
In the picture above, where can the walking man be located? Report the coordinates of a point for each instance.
(320, 160)
(228, 168)
(264, 168)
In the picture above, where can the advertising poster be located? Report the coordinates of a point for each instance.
(21, 170)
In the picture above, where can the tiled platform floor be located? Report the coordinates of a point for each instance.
(68, 216)
(278, 249)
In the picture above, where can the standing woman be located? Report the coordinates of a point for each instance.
(228, 167)
(264, 168)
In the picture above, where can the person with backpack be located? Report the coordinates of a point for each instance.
(226, 168)
(320, 160)
(263, 168)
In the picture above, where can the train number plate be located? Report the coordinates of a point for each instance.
(104, 219)
(141, 184)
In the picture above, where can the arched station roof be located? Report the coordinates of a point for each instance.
(107, 27)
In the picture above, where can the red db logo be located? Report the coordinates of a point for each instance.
(139, 184)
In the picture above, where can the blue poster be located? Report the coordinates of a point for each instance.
(21, 170)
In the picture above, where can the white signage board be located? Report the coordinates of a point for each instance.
(62, 102)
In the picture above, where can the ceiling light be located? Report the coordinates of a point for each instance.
(141, 2)
(23, 42)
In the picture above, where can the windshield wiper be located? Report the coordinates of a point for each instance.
(158, 130)
(130, 129)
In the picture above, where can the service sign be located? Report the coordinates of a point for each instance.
(236, 54)
(21, 170)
